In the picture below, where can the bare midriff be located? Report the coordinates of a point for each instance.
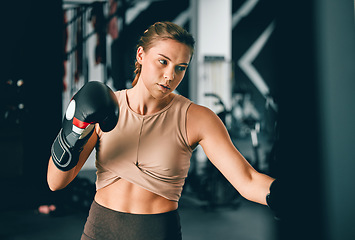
(124, 196)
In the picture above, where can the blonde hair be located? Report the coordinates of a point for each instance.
(159, 31)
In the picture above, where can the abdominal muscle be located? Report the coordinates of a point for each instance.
(124, 196)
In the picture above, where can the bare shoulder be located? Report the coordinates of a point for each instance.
(201, 121)
(198, 114)
(198, 109)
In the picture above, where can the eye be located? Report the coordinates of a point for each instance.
(181, 68)
(162, 61)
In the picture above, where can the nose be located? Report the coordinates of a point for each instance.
(169, 74)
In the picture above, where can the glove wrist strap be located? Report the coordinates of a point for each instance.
(62, 155)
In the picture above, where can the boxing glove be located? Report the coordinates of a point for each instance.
(275, 199)
(93, 103)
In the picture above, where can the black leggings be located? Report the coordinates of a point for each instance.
(106, 224)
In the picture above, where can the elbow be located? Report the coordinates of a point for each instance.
(257, 188)
(248, 189)
(245, 193)
(56, 179)
(53, 186)
(53, 189)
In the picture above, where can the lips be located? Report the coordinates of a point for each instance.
(165, 86)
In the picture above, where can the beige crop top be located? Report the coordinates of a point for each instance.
(151, 151)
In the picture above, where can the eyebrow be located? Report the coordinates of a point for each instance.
(170, 59)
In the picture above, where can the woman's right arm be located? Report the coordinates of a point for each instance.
(58, 179)
(95, 103)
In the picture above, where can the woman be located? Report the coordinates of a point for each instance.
(143, 162)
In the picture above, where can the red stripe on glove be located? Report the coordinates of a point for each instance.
(80, 124)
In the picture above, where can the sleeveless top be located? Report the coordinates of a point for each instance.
(151, 151)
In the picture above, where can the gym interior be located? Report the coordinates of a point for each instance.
(280, 75)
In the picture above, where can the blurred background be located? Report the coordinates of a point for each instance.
(281, 76)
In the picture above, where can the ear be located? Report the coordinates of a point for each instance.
(140, 53)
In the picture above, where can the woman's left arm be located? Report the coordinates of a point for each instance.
(205, 128)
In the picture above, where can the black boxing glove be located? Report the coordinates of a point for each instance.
(93, 103)
(275, 199)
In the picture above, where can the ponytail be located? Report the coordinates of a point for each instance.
(137, 71)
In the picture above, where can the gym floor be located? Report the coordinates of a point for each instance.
(244, 221)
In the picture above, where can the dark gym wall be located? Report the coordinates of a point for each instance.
(299, 155)
(336, 56)
(33, 52)
(315, 79)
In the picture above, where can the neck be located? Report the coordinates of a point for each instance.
(143, 103)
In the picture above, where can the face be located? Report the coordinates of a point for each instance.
(163, 66)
